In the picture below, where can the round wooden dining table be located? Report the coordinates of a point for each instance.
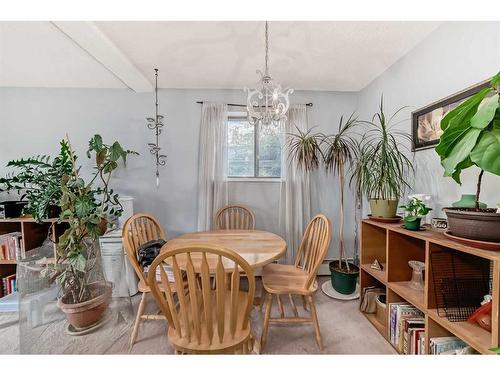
(257, 247)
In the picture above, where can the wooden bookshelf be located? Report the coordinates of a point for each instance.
(33, 235)
(394, 246)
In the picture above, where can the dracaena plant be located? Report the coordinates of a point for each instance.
(336, 152)
(87, 208)
(471, 135)
(382, 169)
(38, 180)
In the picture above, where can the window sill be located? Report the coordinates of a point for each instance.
(254, 179)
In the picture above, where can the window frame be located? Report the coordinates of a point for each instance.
(256, 159)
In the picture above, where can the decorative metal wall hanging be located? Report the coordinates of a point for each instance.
(269, 102)
(156, 124)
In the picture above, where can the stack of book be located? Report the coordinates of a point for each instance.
(168, 271)
(406, 328)
(445, 345)
(11, 246)
(9, 285)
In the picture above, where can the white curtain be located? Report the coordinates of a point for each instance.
(212, 184)
(295, 196)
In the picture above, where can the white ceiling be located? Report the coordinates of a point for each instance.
(340, 56)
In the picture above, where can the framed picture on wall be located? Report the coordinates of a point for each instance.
(426, 121)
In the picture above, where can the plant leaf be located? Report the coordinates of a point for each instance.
(486, 153)
(460, 151)
(457, 122)
(495, 81)
(116, 151)
(485, 112)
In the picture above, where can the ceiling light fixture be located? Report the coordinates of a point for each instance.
(156, 124)
(269, 103)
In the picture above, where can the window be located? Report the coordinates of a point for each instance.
(253, 150)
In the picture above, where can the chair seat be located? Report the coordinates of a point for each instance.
(204, 346)
(284, 279)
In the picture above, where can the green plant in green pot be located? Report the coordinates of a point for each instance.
(87, 208)
(381, 169)
(336, 152)
(415, 210)
(38, 180)
(471, 138)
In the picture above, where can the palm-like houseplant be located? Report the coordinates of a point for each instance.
(336, 152)
(471, 138)
(382, 170)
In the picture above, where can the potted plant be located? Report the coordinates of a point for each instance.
(87, 208)
(471, 138)
(414, 211)
(382, 169)
(38, 180)
(336, 152)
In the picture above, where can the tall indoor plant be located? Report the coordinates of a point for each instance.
(381, 169)
(471, 137)
(336, 152)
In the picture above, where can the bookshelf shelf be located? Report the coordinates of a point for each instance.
(382, 329)
(32, 236)
(478, 338)
(394, 246)
(415, 297)
(379, 275)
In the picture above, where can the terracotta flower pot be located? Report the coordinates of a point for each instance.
(86, 314)
(475, 225)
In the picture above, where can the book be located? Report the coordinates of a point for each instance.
(410, 322)
(421, 338)
(11, 246)
(414, 335)
(440, 345)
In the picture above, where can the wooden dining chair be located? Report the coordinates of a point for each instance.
(297, 279)
(139, 229)
(234, 217)
(203, 320)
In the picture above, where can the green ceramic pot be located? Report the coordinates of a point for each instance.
(384, 207)
(343, 282)
(468, 201)
(413, 225)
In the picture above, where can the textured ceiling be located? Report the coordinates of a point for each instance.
(339, 56)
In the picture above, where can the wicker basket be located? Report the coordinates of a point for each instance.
(381, 309)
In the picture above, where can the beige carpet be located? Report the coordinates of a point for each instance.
(344, 330)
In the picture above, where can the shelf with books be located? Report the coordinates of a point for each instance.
(401, 246)
(472, 334)
(415, 297)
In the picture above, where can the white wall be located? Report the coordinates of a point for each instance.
(453, 57)
(33, 120)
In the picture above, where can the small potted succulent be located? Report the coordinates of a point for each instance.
(415, 210)
(471, 138)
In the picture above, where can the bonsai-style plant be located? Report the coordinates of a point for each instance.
(336, 152)
(471, 138)
(381, 170)
(87, 208)
(38, 180)
(414, 211)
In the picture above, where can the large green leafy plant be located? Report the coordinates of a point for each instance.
(38, 180)
(87, 208)
(471, 135)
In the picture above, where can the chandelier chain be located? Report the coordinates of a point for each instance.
(267, 49)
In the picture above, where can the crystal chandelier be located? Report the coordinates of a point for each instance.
(156, 124)
(268, 103)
